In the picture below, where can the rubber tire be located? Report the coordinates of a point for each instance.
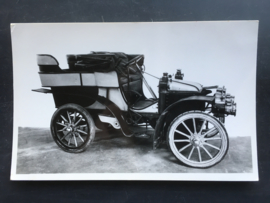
(205, 165)
(89, 120)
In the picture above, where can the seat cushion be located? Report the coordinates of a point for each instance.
(142, 104)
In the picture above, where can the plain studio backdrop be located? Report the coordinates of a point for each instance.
(209, 53)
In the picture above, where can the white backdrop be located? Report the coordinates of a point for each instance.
(210, 53)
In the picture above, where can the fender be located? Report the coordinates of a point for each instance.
(112, 107)
(160, 122)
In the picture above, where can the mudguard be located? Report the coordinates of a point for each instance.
(160, 122)
(114, 109)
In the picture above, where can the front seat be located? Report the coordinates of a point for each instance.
(133, 92)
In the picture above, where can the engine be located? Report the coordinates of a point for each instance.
(224, 103)
(176, 83)
(174, 88)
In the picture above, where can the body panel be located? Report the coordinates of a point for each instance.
(182, 85)
(60, 79)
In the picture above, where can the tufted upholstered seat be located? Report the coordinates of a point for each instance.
(135, 94)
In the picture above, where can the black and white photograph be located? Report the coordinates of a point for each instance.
(135, 101)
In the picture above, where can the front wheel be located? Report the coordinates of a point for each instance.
(72, 128)
(197, 139)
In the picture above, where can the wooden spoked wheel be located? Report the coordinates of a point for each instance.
(197, 139)
(72, 128)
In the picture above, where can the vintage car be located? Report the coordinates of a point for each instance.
(105, 90)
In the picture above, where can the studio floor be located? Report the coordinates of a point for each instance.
(112, 152)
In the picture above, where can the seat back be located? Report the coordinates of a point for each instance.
(48, 63)
(134, 90)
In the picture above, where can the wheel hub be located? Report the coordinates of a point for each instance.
(71, 128)
(196, 140)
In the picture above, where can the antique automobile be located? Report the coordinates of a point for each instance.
(105, 90)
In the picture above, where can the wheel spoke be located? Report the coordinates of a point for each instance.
(191, 152)
(80, 137)
(207, 152)
(187, 128)
(180, 150)
(68, 117)
(65, 136)
(82, 131)
(62, 129)
(60, 124)
(81, 126)
(69, 140)
(202, 126)
(199, 154)
(75, 140)
(209, 131)
(181, 140)
(188, 136)
(213, 138)
(74, 116)
(194, 125)
(78, 121)
(211, 146)
(64, 118)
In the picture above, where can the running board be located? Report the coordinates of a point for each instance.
(43, 90)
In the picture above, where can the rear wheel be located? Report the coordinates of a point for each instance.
(72, 128)
(197, 139)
